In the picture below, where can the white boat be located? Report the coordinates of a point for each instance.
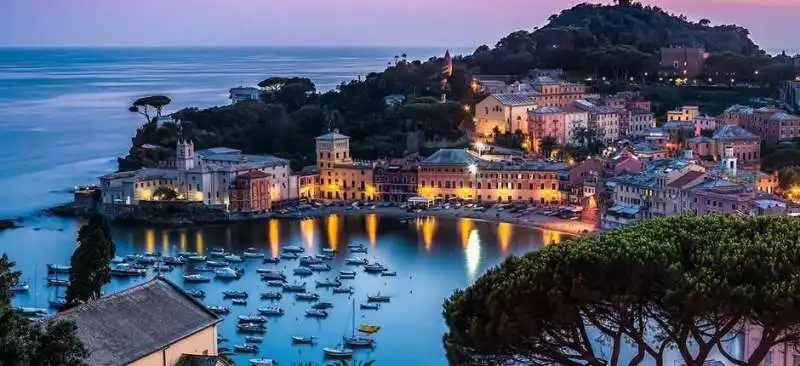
(252, 319)
(302, 340)
(273, 275)
(218, 264)
(219, 309)
(174, 261)
(289, 255)
(378, 298)
(187, 254)
(293, 249)
(328, 283)
(251, 327)
(262, 362)
(117, 260)
(197, 294)
(271, 295)
(326, 257)
(320, 267)
(374, 268)
(342, 290)
(271, 311)
(314, 313)
(328, 250)
(247, 348)
(226, 273)
(357, 261)
(294, 287)
(357, 341)
(197, 258)
(234, 294)
(20, 286)
(355, 245)
(233, 258)
(253, 339)
(57, 268)
(358, 250)
(346, 276)
(307, 259)
(239, 302)
(252, 254)
(196, 278)
(276, 283)
(306, 296)
(57, 282)
(303, 271)
(337, 352)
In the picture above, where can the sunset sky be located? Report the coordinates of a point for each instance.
(450, 23)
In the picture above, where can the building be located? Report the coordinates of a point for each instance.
(790, 94)
(680, 197)
(647, 151)
(490, 84)
(686, 113)
(463, 174)
(704, 122)
(781, 126)
(507, 112)
(575, 119)
(128, 188)
(637, 121)
(556, 93)
(606, 121)
(683, 61)
(250, 192)
(735, 115)
(200, 360)
(396, 179)
(242, 94)
(207, 175)
(304, 184)
(731, 198)
(341, 177)
(547, 122)
(150, 324)
(701, 146)
(745, 146)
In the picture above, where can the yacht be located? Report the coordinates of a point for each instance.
(303, 271)
(252, 319)
(293, 249)
(226, 273)
(272, 295)
(233, 258)
(358, 261)
(306, 296)
(271, 311)
(196, 278)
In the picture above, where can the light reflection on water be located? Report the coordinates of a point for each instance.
(432, 257)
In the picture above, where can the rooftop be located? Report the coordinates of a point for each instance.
(124, 326)
(543, 110)
(247, 159)
(217, 151)
(699, 140)
(643, 179)
(451, 157)
(143, 174)
(782, 116)
(255, 174)
(515, 99)
(244, 90)
(737, 108)
(733, 132)
(686, 179)
(333, 135)
(647, 147)
(678, 124)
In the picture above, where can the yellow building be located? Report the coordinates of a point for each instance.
(341, 177)
(153, 323)
(686, 113)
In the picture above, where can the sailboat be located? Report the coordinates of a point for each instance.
(357, 341)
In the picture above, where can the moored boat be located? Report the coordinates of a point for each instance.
(388, 274)
(187, 254)
(197, 258)
(252, 254)
(289, 255)
(202, 268)
(368, 328)
(320, 267)
(271, 311)
(271, 260)
(359, 342)
(57, 268)
(273, 275)
(234, 294)
(359, 261)
(374, 268)
(302, 340)
(261, 362)
(221, 310)
(162, 268)
(239, 302)
(251, 327)
(233, 258)
(57, 303)
(361, 249)
(57, 282)
(252, 319)
(117, 260)
(174, 261)
(337, 352)
(322, 305)
(253, 339)
(328, 283)
(276, 283)
(325, 257)
(218, 264)
(245, 348)
(294, 287)
(293, 249)
(303, 271)
(226, 273)
(342, 290)
(196, 278)
(378, 298)
(370, 306)
(197, 294)
(308, 260)
(315, 313)
(306, 296)
(328, 250)
(20, 286)
(271, 295)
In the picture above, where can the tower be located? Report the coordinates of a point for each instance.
(447, 72)
(729, 160)
(184, 155)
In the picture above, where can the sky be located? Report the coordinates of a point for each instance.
(440, 23)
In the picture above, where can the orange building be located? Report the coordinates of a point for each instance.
(462, 174)
(341, 177)
(250, 192)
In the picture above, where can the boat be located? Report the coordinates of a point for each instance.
(369, 329)
(253, 339)
(202, 268)
(355, 245)
(196, 278)
(276, 283)
(262, 362)
(359, 341)
(239, 302)
(359, 261)
(20, 286)
(325, 257)
(337, 352)
(245, 348)
(272, 295)
(328, 283)
(271, 311)
(307, 260)
(221, 339)
(303, 271)
(320, 267)
(316, 313)
(358, 250)
(187, 254)
(346, 276)
(347, 273)
(265, 270)
(378, 298)
(162, 268)
(374, 268)
(234, 294)
(57, 282)
(271, 260)
(218, 254)
(226, 273)
(370, 306)
(274, 275)
(322, 305)
(57, 268)
(306, 296)
(252, 254)
(251, 327)
(219, 309)
(289, 255)
(147, 260)
(293, 249)
(174, 261)
(218, 264)
(252, 319)
(302, 340)
(328, 250)
(33, 311)
(197, 294)
(296, 287)
(197, 258)
(389, 274)
(57, 303)
(117, 260)
(342, 290)
(233, 258)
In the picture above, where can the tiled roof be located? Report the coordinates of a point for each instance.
(733, 132)
(647, 147)
(333, 135)
(515, 99)
(253, 175)
(699, 140)
(122, 327)
(678, 124)
(686, 179)
(543, 110)
(782, 116)
(218, 151)
(451, 157)
(643, 179)
(143, 174)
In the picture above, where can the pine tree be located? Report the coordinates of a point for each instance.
(90, 261)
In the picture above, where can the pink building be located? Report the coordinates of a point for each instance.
(701, 146)
(704, 123)
(781, 126)
(722, 197)
(547, 122)
(784, 354)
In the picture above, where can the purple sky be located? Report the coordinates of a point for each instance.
(334, 22)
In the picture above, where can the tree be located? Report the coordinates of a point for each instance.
(23, 342)
(547, 145)
(165, 193)
(273, 84)
(704, 22)
(143, 105)
(90, 261)
(682, 283)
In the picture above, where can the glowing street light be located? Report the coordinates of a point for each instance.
(479, 146)
(473, 169)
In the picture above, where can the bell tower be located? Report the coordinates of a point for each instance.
(729, 160)
(184, 155)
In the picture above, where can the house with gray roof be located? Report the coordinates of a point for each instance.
(151, 323)
(505, 112)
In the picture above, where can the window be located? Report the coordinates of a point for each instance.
(541, 186)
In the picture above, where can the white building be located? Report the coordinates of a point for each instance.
(241, 94)
(639, 121)
(574, 119)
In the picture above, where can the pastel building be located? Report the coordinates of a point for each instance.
(304, 184)
(745, 146)
(735, 115)
(547, 122)
(685, 113)
(704, 122)
(781, 126)
(341, 177)
(250, 192)
(553, 92)
(574, 120)
(505, 112)
(701, 146)
(637, 121)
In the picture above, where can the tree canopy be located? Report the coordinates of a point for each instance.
(27, 343)
(682, 284)
(143, 105)
(90, 261)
